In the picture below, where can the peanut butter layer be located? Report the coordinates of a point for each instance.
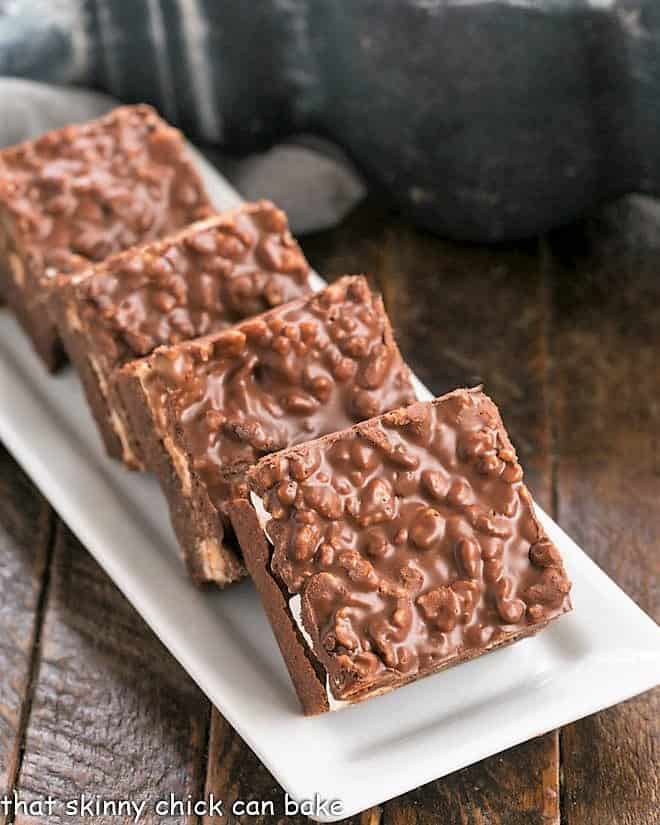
(79, 194)
(218, 404)
(201, 280)
(408, 543)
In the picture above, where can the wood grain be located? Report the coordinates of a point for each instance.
(565, 335)
(112, 713)
(465, 315)
(606, 353)
(517, 786)
(25, 527)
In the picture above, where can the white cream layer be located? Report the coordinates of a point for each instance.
(295, 602)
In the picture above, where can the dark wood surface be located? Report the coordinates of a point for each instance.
(565, 334)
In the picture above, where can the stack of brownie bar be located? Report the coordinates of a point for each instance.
(388, 538)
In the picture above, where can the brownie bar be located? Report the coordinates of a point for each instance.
(81, 193)
(207, 410)
(397, 548)
(201, 280)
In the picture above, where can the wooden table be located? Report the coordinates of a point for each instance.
(565, 334)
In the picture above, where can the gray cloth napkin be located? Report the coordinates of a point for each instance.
(309, 178)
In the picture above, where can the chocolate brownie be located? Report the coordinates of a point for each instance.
(397, 548)
(207, 410)
(201, 280)
(81, 193)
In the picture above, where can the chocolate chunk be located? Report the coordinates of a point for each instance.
(206, 410)
(198, 281)
(82, 193)
(383, 583)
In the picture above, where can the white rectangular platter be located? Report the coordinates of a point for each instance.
(605, 651)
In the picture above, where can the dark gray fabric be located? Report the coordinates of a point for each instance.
(483, 120)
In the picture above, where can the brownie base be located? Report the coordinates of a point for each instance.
(210, 553)
(97, 386)
(35, 319)
(309, 682)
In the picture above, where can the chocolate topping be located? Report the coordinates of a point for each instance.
(202, 280)
(83, 192)
(298, 372)
(411, 540)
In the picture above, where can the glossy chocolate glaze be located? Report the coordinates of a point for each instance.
(412, 541)
(201, 280)
(298, 372)
(86, 191)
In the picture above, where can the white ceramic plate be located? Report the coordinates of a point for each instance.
(605, 651)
